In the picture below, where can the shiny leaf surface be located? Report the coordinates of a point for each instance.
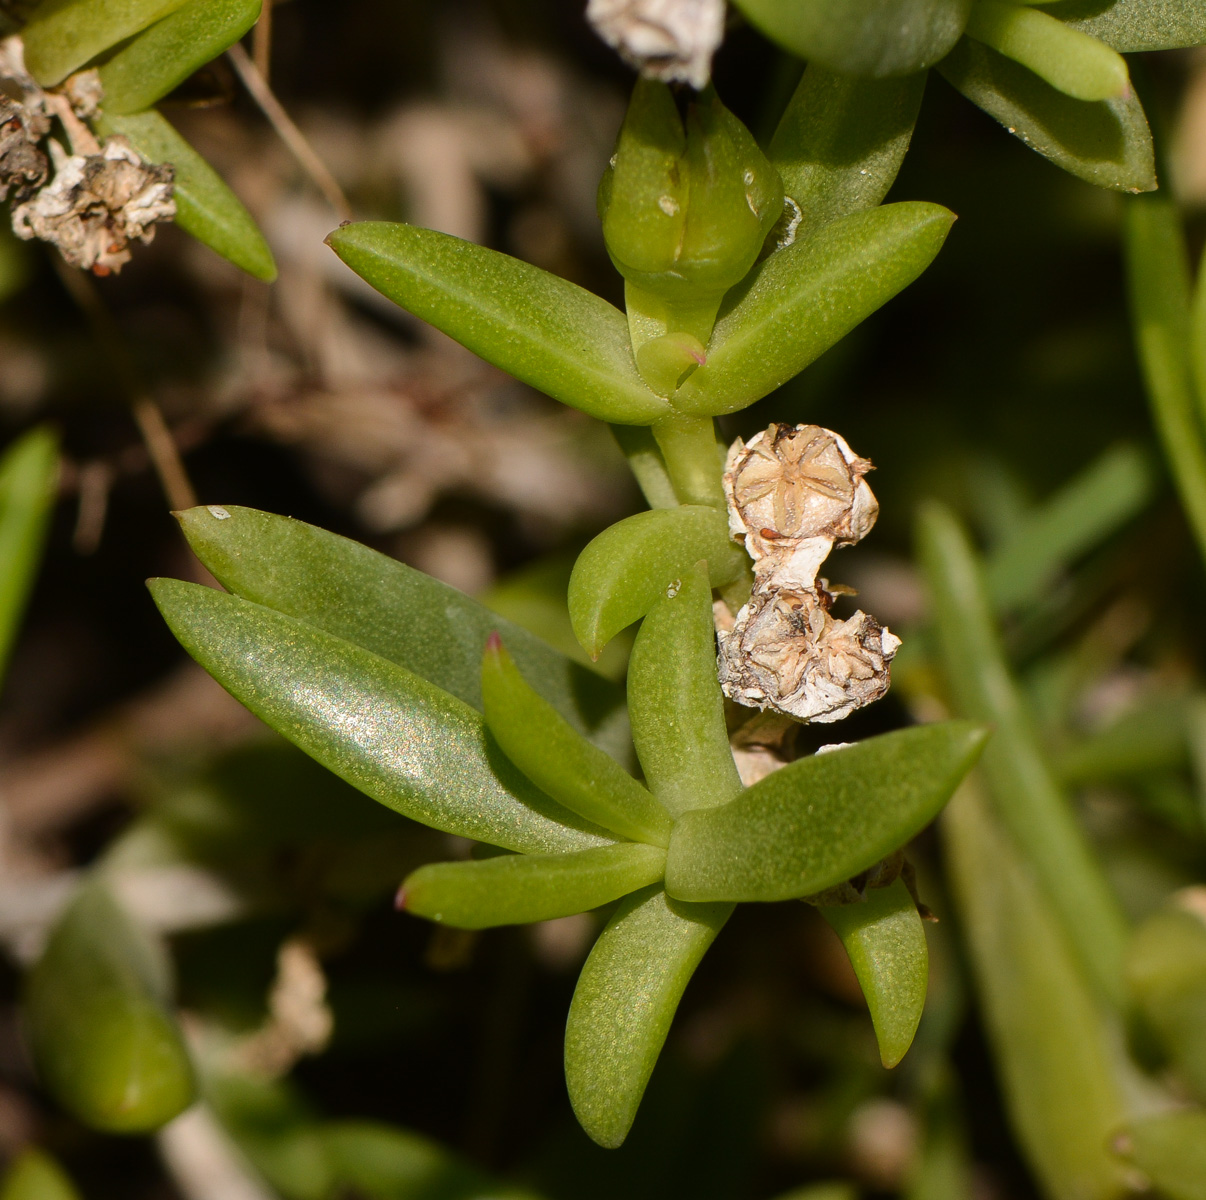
(808, 296)
(166, 54)
(514, 889)
(364, 597)
(820, 820)
(96, 1013)
(625, 1000)
(1107, 143)
(623, 573)
(675, 703)
(401, 740)
(542, 329)
(885, 940)
(205, 207)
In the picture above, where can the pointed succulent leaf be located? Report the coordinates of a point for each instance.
(1056, 1054)
(1071, 61)
(1026, 797)
(205, 207)
(28, 471)
(821, 820)
(1165, 329)
(885, 940)
(390, 609)
(63, 35)
(624, 1003)
(544, 330)
(675, 703)
(103, 1039)
(1080, 516)
(1170, 1150)
(168, 52)
(1106, 143)
(34, 1175)
(862, 37)
(1132, 25)
(560, 761)
(804, 298)
(402, 741)
(623, 573)
(841, 140)
(515, 889)
(1166, 981)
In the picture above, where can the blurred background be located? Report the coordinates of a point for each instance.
(992, 382)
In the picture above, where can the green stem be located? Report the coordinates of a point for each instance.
(692, 457)
(1027, 798)
(645, 460)
(1158, 280)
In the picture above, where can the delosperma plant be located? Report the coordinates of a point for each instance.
(742, 263)
(730, 291)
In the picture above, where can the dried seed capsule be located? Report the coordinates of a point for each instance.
(786, 652)
(793, 492)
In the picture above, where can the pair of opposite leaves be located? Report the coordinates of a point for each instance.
(152, 47)
(361, 672)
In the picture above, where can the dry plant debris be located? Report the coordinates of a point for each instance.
(793, 493)
(672, 40)
(101, 198)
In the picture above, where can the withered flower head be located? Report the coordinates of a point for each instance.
(795, 491)
(786, 652)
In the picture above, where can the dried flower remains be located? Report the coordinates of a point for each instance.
(671, 40)
(793, 493)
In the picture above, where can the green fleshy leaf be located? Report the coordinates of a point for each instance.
(862, 37)
(392, 610)
(34, 1175)
(625, 1000)
(96, 1013)
(542, 329)
(623, 573)
(63, 35)
(1073, 62)
(1080, 516)
(562, 763)
(1151, 737)
(1166, 980)
(1056, 1055)
(1106, 143)
(808, 296)
(885, 940)
(165, 55)
(384, 1162)
(1157, 268)
(840, 142)
(515, 889)
(205, 207)
(396, 737)
(1170, 1149)
(1130, 25)
(821, 820)
(28, 473)
(1025, 795)
(675, 703)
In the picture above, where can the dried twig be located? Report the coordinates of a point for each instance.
(261, 42)
(288, 132)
